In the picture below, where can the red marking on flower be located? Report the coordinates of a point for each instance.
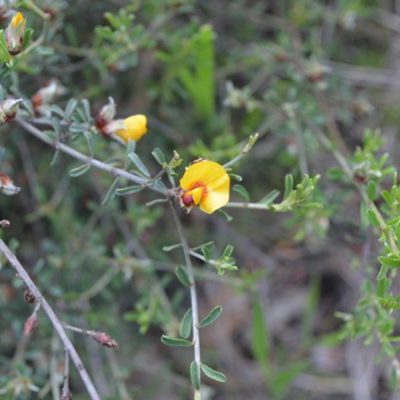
(187, 200)
(100, 123)
(199, 184)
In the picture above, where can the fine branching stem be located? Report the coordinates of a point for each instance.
(57, 324)
(86, 159)
(193, 293)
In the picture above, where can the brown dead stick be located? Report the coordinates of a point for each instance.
(21, 272)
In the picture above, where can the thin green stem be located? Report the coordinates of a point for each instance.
(33, 7)
(193, 293)
(251, 206)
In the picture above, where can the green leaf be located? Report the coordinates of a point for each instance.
(182, 276)
(195, 374)
(139, 164)
(382, 287)
(284, 377)
(4, 54)
(185, 327)
(242, 191)
(111, 192)
(171, 247)
(128, 190)
(391, 261)
(288, 185)
(372, 218)
(372, 190)
(335, 174)
(260, 338)
(213, 374)
(207, 250)
(130, 147)
(78, 171)
(175, 342)
(86, 109)
(227, 216)
(159, 156)
(70, 108)
(27, 37)
(210, 317)
(236, 177)
(269, 198)
(228, 251)
(89, 140)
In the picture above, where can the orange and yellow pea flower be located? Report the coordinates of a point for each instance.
(135, 127)
(205, 184)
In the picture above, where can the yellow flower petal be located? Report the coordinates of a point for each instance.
(196, 194)
(135, 128)
(210, 181)
(17, 20)
(203, 171)
(217, 197)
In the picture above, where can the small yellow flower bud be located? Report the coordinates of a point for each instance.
(14, 34)
(135, 127)
(17, 20)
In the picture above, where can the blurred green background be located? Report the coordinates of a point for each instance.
(207, 74)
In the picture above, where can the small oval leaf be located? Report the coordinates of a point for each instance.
(288, 185)
(242, 191)
(185, 328)
(175, 342)
(111, 192)
(210, 317)
(139, 164)
(269, 198)
(78, 171)
(159, 156)
(128, 190)
(182, 276)
(213, 374)
(70, 108)
(195, 375)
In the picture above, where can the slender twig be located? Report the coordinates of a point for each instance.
(244, 151)
(86, 159)
(100, 337)
(21, 272)
(65, 393)
(252, 206)
(32, 6)
(193, 293)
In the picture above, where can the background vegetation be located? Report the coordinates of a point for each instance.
(310, 312)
